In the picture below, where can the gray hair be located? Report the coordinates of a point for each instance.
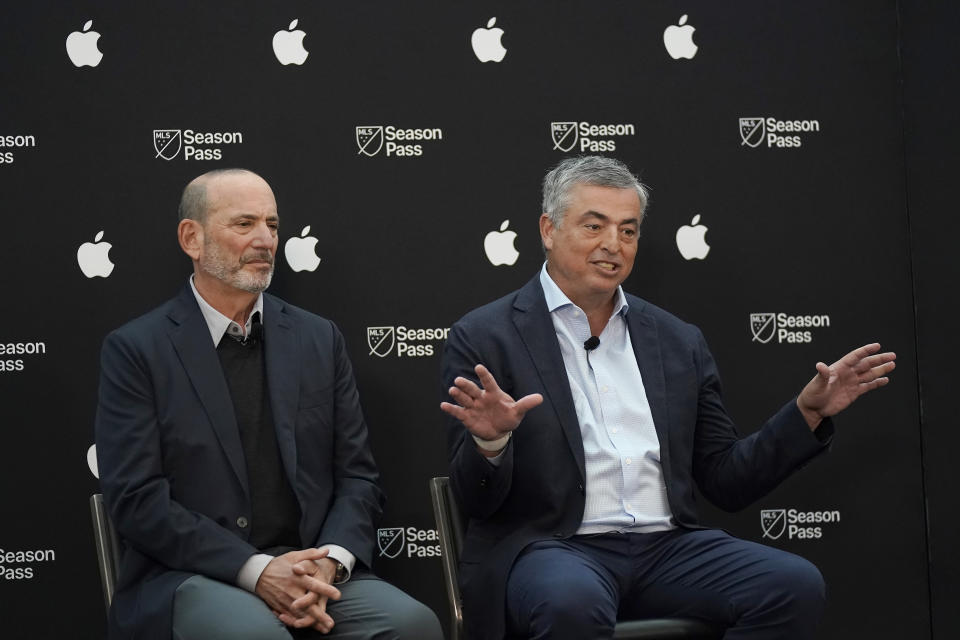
(193, 201)
(599, 171)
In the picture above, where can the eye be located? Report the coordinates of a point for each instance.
(592, 226)
(629, 232)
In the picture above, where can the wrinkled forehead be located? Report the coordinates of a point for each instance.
(240, 191)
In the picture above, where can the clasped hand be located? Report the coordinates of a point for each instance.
(297, 585)
(486, 410)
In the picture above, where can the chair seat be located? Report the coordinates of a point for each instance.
(664, 629)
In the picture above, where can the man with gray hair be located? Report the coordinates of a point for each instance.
(581, 419)
(233, 452)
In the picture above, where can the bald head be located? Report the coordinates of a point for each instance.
(196, 199)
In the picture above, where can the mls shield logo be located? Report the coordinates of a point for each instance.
(773, 522)
(166, 142)
(752, 131)
(380, 341)
(564, 135)
(390, 541)
(763, 326)
(370, 140)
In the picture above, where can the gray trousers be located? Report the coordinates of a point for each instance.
(205, 609)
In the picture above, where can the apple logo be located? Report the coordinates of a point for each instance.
(301, 252)
(82, 47)
(92, 461)
(690, 240)
(499, 246)
(678, 39)
(486, 43)
(93, 259)
(288, 45)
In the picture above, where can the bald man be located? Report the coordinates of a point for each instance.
(233, 451)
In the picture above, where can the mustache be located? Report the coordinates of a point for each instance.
(258, 256)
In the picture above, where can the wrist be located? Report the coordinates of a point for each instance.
(493, 446)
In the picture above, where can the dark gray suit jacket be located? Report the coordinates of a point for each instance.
(537, 492)
(172, 467)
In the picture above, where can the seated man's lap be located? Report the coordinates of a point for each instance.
(705, 574)
(209, 610)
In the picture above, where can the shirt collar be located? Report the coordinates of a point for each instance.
(219, 324)
(556, 298)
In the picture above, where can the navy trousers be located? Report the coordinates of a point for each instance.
(578, 588)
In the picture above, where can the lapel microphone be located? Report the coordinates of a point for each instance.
(591, 343)
(256, 331)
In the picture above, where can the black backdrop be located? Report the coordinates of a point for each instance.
(818, 232)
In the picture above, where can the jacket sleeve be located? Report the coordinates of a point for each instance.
(480, 486)
(357, 498)
(135, 488)
(734, 472)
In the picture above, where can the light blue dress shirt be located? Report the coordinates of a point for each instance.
(625, 488)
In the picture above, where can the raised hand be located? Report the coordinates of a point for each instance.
(487, 411)
(834, 388)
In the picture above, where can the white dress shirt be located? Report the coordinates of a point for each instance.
(625, 488)
(219, 325)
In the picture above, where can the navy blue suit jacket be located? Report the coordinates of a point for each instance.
(537, 491)
(172, 467)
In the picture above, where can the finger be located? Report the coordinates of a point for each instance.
(876, 372)
(860, 353)
(463, 398)
(486, 379)
(306, 554)
(304, 602)
(467, 386)
(823, 371)
(874, 361)
(526, 403)
(454, 410)
(324, 622)
(319, 587)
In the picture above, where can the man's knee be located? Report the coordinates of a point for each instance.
(560, 609)
(415, 621)
(239, 615)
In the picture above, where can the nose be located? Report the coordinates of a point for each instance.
(264, 237)
(610, 239)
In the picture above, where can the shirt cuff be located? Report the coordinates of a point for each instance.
(341, 555)
(250, 572)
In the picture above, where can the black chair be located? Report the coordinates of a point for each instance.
(451, 524)
(108, 547)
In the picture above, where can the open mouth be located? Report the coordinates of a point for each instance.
(606, 266)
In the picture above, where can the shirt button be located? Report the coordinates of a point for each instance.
(242, 522)
(604, 388)
(628, 507)
(628, 460)
(615, 430)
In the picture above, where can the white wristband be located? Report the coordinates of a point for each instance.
(493, 445)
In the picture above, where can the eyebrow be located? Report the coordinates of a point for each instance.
(250, 216)
(602, 216)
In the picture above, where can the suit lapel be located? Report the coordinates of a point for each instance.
(539, 337)
(646, 348)
(283, 378)
(191, 339)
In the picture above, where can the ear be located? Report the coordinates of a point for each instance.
(190, 235)
(546, 231)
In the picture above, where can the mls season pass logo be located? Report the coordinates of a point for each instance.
(798, 525)
(757, 131)
(12, 562)
(196, 145)
(412, 542)
(14, 142)
(583, 136)
(409, 343)
(371, 139)
(785, 327)
(11, 364)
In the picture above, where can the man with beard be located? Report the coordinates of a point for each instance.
(233, 452)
